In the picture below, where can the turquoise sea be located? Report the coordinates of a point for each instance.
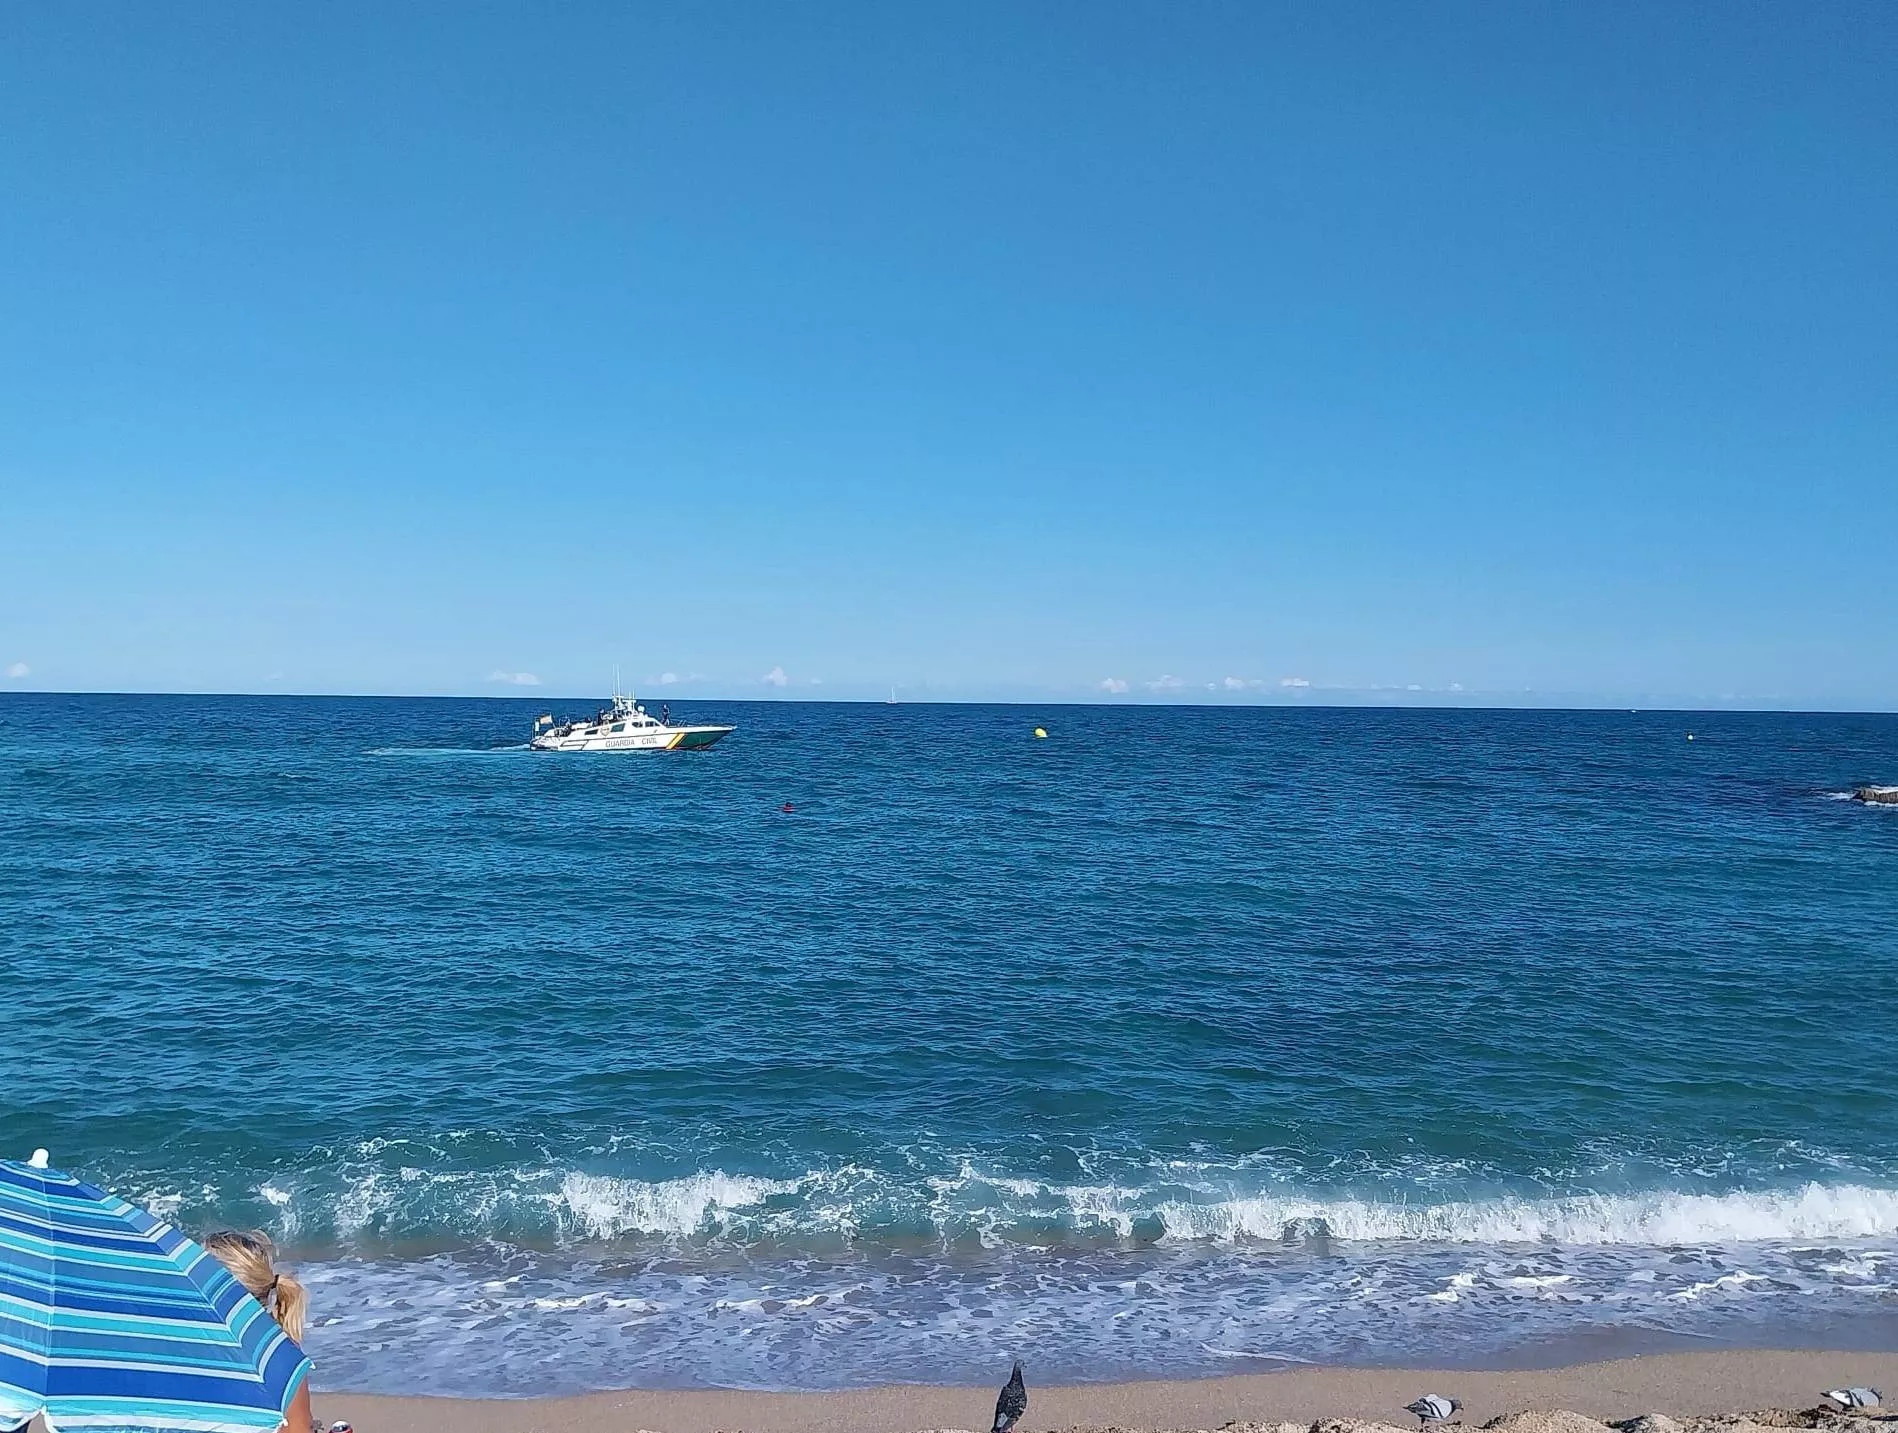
(889, 1043)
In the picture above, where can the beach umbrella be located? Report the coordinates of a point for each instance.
(113, 1321)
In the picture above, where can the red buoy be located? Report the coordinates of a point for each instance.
(787, 808)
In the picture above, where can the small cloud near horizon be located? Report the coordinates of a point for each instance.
(775, 678)
(514, 679)
(1114, 686)
(1240, 684)
(18, 670)
(1166, 683)
(1294, 681)
(673, 679)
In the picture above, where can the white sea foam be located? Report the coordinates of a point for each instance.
(1852, 795)
(1863, 1266)
(1730, 1282)
(557, 1324)
(758, 1275)
(770, 1304)
(171, 1204)
(1813, 1211)
(603, 1206)
(373, 1198)
(1261, 1353)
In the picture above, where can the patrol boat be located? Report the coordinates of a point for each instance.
(624, 726)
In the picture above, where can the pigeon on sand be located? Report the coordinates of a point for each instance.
(1856, 1397)
(1012, 1403)
(1434, 1408)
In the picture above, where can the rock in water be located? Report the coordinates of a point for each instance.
(1301, 1231)
(1876, 796)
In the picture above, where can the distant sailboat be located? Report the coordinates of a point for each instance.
(892, 701)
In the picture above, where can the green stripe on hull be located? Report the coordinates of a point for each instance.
(693, 740)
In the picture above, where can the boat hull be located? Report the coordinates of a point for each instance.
(665, 738)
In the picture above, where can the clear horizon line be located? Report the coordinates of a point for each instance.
(1280, 705)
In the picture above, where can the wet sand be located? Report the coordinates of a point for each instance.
(1679, 1384)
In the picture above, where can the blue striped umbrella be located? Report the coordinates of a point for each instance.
(113, 1321)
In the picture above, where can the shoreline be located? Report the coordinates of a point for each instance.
(1679, 1385)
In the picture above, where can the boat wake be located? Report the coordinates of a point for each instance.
(448, 751)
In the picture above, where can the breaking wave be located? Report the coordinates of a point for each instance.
(603, 1206)
(1814, 1211)
(851, 1204)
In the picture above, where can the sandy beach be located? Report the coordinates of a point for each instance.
(1681, 1386)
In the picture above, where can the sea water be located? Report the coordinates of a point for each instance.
(890, 1042)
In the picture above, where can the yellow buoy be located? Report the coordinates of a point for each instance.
(1040, 732)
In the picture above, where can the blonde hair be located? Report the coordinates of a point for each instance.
(248, 1257)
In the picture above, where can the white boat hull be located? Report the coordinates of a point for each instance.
(623, 726)
(663, 738)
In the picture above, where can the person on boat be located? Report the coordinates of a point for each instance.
(665, 713)
(250, 1258)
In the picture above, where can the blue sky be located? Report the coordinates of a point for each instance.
(1430, 353)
